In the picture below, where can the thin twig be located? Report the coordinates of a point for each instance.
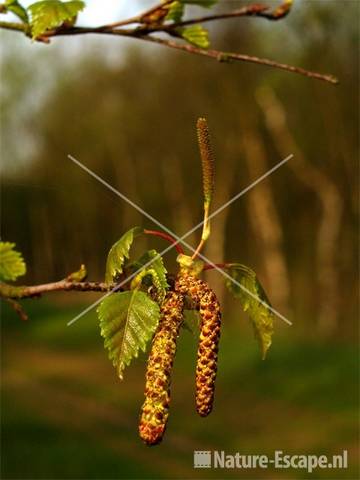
(228, 56)
(18, 309)
(18, 292)
(120, 23)
(256, 10)
(153, 9)
(20, 27)
(145, 29)
(138, 18)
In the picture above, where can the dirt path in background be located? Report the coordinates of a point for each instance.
(80, 392)
(51, 385)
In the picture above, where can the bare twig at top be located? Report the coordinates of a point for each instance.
(153, 21)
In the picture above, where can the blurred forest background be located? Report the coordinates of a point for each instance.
(128, 112)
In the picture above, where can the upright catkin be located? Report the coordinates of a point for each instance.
(155, 410)
(207, 158)
(210, 314)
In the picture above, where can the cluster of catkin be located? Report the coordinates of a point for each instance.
(155, 410)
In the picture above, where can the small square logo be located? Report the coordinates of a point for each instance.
(202, 459)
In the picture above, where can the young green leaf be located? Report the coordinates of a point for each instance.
(78, 276)
(12, 264)
(191, 321)
(49, 14)
(118, 253)
(127, 322)
(262, 317)
(155, 272)
(14, 7)
(176, 11)
(189, 266)
(195, 34)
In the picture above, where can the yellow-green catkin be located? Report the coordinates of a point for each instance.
(207, 158)
(155, 410)
(210, 313)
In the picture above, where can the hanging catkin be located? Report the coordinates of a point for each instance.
(155, 410)
(210, 314)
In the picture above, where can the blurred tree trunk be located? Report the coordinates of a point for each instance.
(42, 237)
(265, 220)
(176, 198)
(331, 203)
(125, 182)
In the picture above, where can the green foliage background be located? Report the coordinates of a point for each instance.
(129, 113)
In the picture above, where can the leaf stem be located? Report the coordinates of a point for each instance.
(209, 266)
(166, 236)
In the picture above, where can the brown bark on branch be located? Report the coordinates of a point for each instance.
(229, 56)
(11, 292)
(255, 10)
(21, 292)
(148, 23)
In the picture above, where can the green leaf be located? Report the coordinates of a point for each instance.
(176, 11)
(262, 317)
(118, 253)
(201, 3)
(12, 264)
(14, 7)
(156, 271)
(49, 14)
(196, 34)
(78, 276)
(191, 321)
(127, 322)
